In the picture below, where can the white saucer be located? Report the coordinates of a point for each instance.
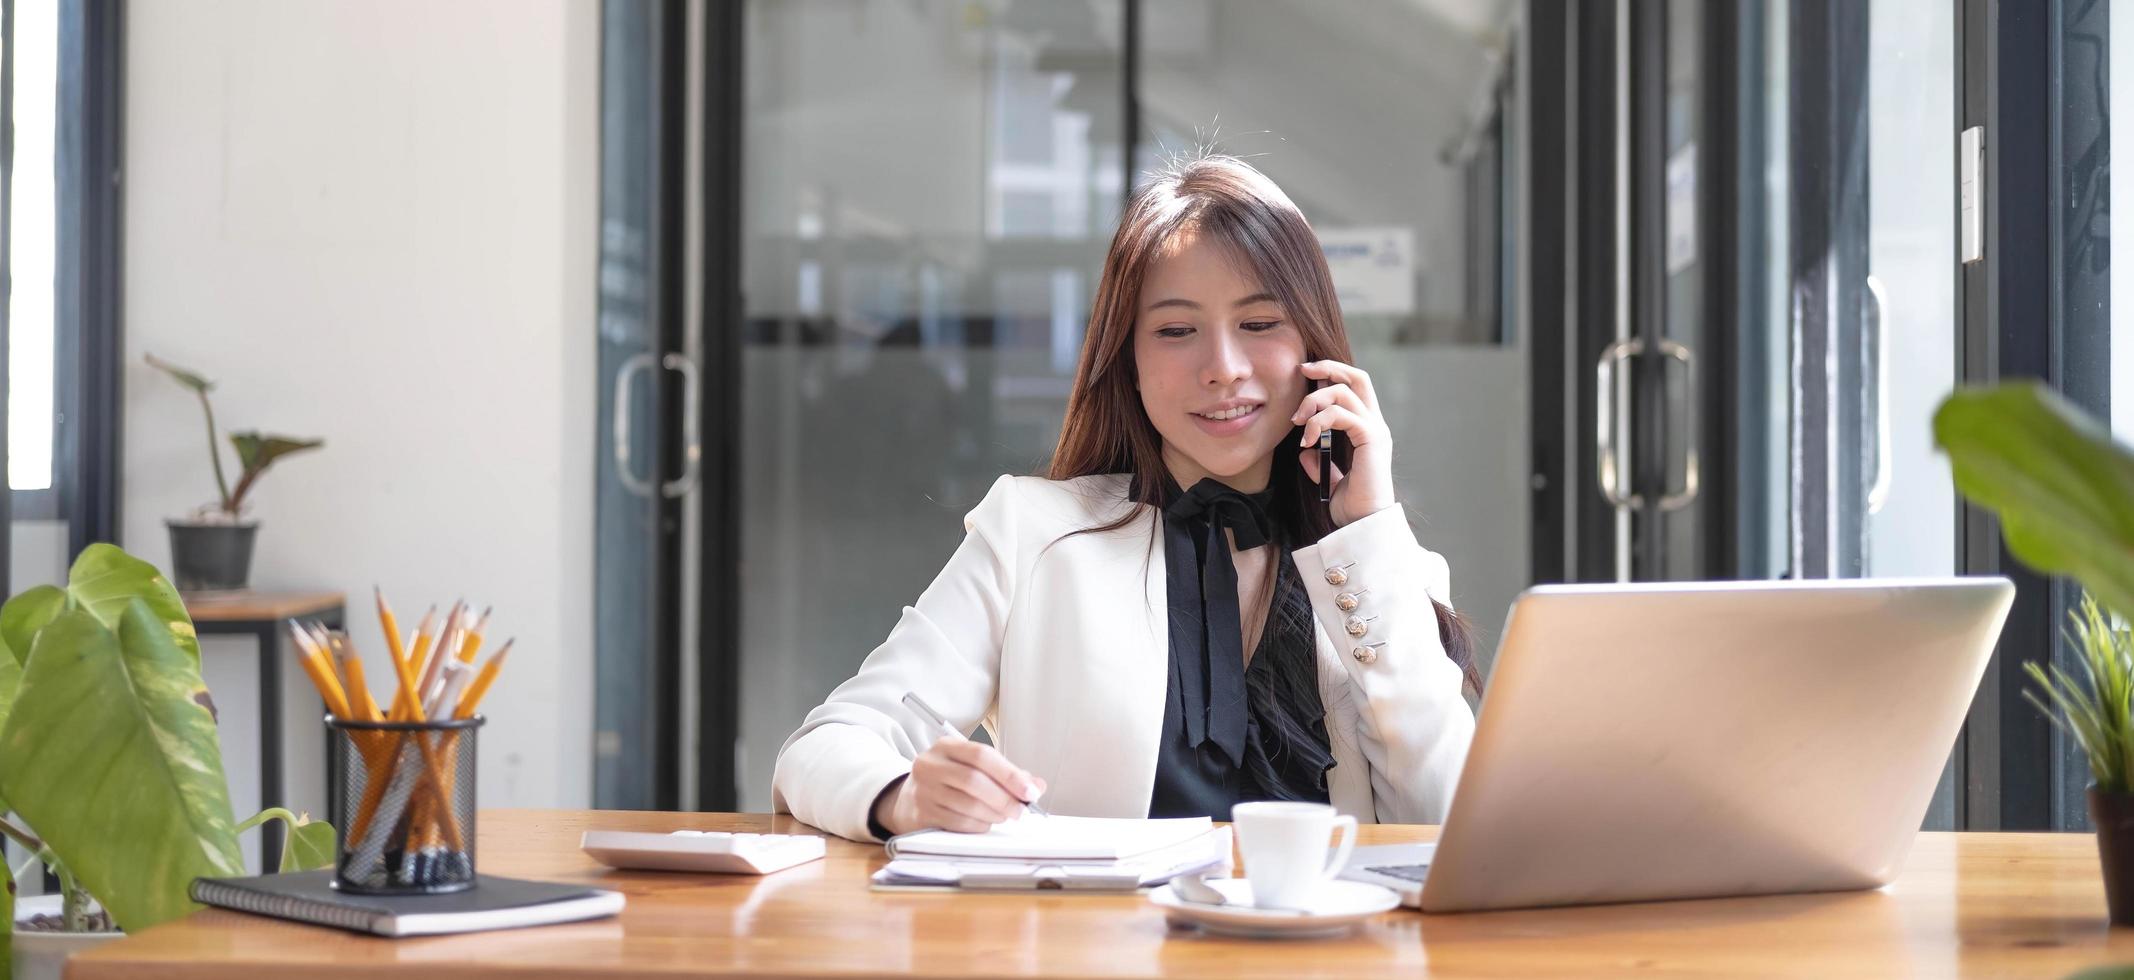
(1336, 909)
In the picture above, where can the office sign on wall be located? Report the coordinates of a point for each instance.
(1374, 268)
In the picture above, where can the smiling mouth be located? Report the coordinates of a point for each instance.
(1229, 413)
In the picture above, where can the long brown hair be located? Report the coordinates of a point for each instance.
(1108, 431)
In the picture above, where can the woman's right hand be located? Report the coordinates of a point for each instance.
(960, 786)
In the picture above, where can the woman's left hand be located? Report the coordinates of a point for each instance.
(1347, 403)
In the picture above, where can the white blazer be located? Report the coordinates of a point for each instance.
(1060, 646)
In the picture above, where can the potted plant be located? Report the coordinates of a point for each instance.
(2064, 493)
(103, 677)
(2094, 712)
(212, 549)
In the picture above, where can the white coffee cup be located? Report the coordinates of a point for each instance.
(1284, 845)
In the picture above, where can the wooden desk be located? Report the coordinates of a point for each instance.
(260, 615)
(2001, 904)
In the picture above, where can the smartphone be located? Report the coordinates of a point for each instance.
(1326, 462)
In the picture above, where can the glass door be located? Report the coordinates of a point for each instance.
(1911, 327)
(1912, 324)
(1663, 344)
(644, 476)
(1675, 260)
(1845, 294)
(1768, 309)
(928, 189)
(926, 193)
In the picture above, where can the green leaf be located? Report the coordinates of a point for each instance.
(190, 379)
(256, 451)
(2064, 491)
(105, 580)
(2094, 711)
(10, 683)
(307, 846)
(112, 757)
(200, 387)
(27, 613)
(2104, 973)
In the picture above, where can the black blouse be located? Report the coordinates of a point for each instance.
(1233, 733)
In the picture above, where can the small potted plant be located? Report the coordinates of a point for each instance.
(2096, 713)
(2064, 493)
(103, 676)
(212, 549)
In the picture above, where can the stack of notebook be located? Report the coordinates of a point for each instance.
(493, 903)
(1070, 853)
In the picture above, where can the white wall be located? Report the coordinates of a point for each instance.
(38, 554)
(374, 221)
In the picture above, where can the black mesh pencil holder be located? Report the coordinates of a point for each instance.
(403, 805)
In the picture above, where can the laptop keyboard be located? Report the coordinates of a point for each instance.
(1410, 872)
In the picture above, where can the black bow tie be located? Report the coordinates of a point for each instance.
(1205, 627)
(1244, 514)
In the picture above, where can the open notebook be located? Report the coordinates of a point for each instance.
(1067, 853)
(1056, 839)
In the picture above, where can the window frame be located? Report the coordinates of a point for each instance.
(2024, 315)
(88, 279)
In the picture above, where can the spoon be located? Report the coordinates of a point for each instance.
(1193, 889)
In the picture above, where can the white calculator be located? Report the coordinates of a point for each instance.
(701, 850)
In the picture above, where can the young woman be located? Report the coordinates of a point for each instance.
(1172, 622)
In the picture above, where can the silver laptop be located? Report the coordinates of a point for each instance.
(1694, 740)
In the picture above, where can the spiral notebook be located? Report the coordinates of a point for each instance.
(493, 903)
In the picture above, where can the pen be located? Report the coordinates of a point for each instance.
(926, 711)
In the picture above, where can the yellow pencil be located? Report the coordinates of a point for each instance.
(473, 645)
(371, 745)
(473, 698)
(390, 624)
(415, 654)
(374, 788)
(322, 676)
(352, 666)
(338, 697)
(431, 779)
(395, 650)
(326, 650)
(405, 704)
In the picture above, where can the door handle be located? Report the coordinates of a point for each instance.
(625, 378)
(692, 445)
(1682, 355)
(1604, 405)
(1878, 307)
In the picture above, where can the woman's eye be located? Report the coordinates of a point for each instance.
(1173, 331)
(1261, 326)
